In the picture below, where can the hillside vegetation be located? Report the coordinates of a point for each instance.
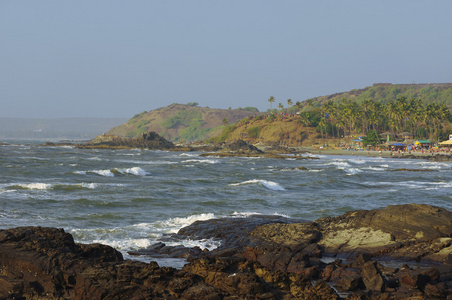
(179, 122)
(418, 111)
(438, 93)
(422, 110)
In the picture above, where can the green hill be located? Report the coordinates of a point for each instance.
(179, 122)
(438, 93)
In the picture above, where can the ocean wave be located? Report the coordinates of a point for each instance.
(268, 184)
(33, 186)
(373, 168)
(188, 155)
(352, 171)
(244, 214)
(209, 244)
(174, 224)
(95, 158)
(107, 173)
(339, 163)
(137, 171)
(50, 186)
(249, 214)
(435, 165)
(133, 171)
(357, 161)
(205, 161)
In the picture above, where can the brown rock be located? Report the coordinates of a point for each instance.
(371, 277)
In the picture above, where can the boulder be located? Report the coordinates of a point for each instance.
(147, 140)
(372, 278)
(242, 147)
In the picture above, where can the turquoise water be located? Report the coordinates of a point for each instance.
(129, 198)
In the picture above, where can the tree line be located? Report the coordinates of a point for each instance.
(347, 117)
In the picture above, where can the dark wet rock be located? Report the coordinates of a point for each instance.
(268, 257)
(160, 250)
(241, 146)
(147, 140)
(45, 263)
(233, 233)
(372, 278)
(351, 282)
(432, 157)
(404, 231)
(412, 170)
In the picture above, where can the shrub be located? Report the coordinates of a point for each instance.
(254, 131)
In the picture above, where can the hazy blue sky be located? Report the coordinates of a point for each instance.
(118, 58)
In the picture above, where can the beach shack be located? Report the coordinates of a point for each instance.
(406, 135)
(446, 143)
(425, 144)
(357, 143)
(397, 147)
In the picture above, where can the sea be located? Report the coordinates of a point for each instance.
(132, 199)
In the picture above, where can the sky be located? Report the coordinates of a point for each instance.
(109, 58)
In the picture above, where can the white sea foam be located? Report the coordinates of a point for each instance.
(107, 173)
(249, 214)
(36, 186)
(90, 185)
(268, 184)
(205, 161)
(338, 163)
(133, 171)
(110, 173)
(209, 244)
(375, 168)
(244, 214)
(174, 224)
(357, 161)
(95, 158)
(435, 165)
(188, 154)
(352, 171)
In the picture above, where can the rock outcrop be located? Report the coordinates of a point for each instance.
(45, 263)
(147, 140)
(400, 252)
(361, 244)
(241, 146)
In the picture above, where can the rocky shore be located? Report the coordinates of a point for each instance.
(399, 252)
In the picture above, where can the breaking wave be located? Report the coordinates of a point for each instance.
(268, 184)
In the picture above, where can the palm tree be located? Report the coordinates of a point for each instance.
(298, 105)
(289, 102)
(304, 119)
(280, 106)
(271, 100)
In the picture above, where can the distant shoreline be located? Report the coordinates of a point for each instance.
(383, 154)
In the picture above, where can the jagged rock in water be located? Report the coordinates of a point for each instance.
(241, 146)
(147, 140)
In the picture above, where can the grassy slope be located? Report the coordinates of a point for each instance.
(178, 122)
(283, 130)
